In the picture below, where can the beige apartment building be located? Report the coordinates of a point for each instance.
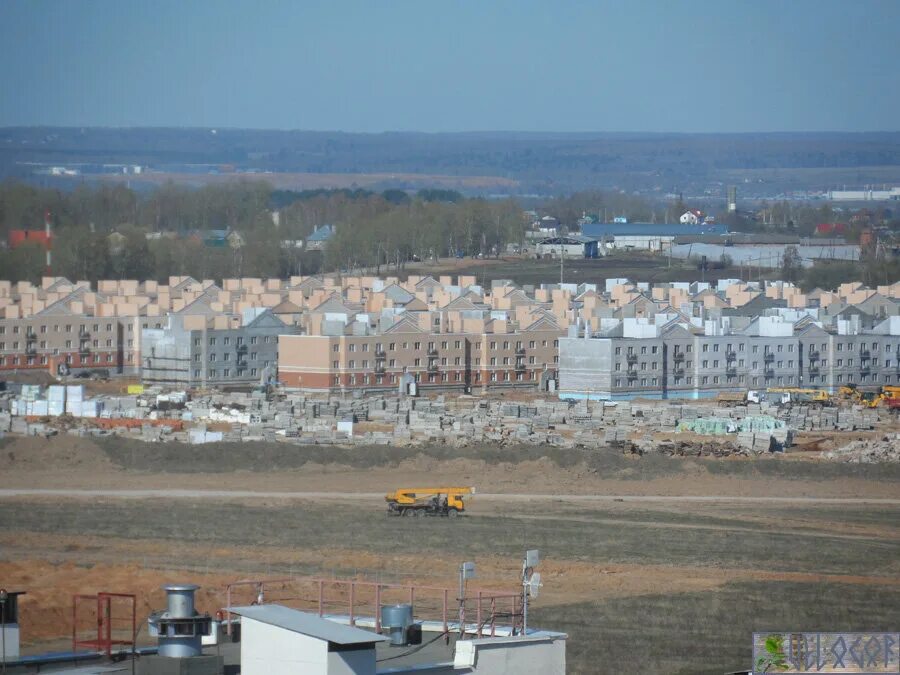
(462, 361)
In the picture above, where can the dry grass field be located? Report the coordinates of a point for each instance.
(656, 583)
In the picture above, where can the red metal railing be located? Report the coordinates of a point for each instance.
(110, 625)
(365, 598)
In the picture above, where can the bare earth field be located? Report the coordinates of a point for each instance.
(653, 564)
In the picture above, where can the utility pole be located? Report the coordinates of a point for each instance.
(561, 257)
(3, 597)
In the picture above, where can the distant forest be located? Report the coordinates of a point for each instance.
(219, 231)
(549, 164)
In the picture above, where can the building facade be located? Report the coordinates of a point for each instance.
(188, 353)
(683, 364)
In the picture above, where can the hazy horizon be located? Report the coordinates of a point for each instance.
(637, 67)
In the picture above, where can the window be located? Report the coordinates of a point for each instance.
(335, 348)
(643, 350)
(211, 373)
(196, 342)
(212, 342)
(618, 351)
(417, 345)
(716, 347)
(457, 344)
(253, 339)
(392, 363)
(351, 364)
(351, 347)
(653, 351)
(705, 348)
(212, 357)
(417, 362)
(531, 344)
(334, 365)
(253, 356)
(239, 341)
(705, 363)
(226, 341)
(444, 344)
(705, 380)
(755, 349)
(226, 356)
(226, 372)
(196, 373)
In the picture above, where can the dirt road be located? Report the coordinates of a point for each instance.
(494, 497)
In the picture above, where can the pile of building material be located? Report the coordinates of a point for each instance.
(886, 449)
(456, 421)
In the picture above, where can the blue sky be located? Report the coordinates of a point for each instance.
(631, 65)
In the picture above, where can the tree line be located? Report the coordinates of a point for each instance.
(110, 231)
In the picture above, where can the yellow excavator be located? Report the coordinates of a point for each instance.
(869, 399)
(439, 501)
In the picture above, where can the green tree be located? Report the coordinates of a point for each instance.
(791, 264)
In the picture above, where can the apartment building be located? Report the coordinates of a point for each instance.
(461, 361)
(355, 333)
(683, 360)
(196, 351)
(82, 342)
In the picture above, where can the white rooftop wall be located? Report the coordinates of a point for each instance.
(639, 328)
(609, 284)
(848, 326)
(775, 326)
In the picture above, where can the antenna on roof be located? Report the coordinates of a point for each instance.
(466, 572)
(531, 583)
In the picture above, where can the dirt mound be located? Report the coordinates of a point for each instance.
(31, 453)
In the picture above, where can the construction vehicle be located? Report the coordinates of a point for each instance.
(728, 399)
(439, 501)
(869, 399)
(800, 395)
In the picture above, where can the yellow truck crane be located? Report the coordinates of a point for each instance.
(800, 395)
(439, 501)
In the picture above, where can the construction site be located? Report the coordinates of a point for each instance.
(660, 523)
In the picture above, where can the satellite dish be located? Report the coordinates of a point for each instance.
(534, 584)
